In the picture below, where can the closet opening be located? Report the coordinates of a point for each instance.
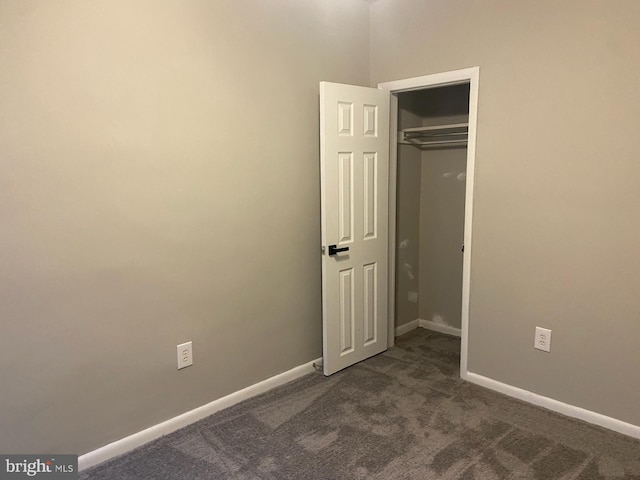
(432, 158)
(430, 193)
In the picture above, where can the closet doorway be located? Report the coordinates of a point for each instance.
(363, 133)
(432, 159)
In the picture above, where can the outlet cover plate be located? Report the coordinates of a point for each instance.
(185, 355)
(543, 339)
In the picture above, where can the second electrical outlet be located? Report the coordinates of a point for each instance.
(543, 339)
(185, 355)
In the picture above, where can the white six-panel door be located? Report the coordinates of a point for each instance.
(354, 164)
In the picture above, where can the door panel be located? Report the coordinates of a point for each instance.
(345, 200)
(370, 195)
(370, 306)
(354, 144)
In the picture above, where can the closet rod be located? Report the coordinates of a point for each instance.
(438, 142)
(432, 128)
(409, 135)
(436, 135)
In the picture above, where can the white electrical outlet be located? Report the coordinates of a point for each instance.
(543, 339)
(185, 355)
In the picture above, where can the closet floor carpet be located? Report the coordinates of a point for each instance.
(404, 414)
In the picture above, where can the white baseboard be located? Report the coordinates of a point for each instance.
(406, 328)
(556, 406)
(439, 327)
(429, 325)
(138, 439)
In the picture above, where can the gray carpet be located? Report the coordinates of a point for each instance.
(404, 414)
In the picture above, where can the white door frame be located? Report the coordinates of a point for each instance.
(466, 75)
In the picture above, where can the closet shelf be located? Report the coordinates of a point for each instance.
(436, 136)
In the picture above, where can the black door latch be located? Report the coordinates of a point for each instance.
(333, 250)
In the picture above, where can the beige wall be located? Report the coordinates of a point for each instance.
(556, 222)
(159, 183)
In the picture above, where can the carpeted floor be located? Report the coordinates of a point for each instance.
(404, 414)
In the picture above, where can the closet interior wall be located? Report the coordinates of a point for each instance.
(430, 210)
(409, 172)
